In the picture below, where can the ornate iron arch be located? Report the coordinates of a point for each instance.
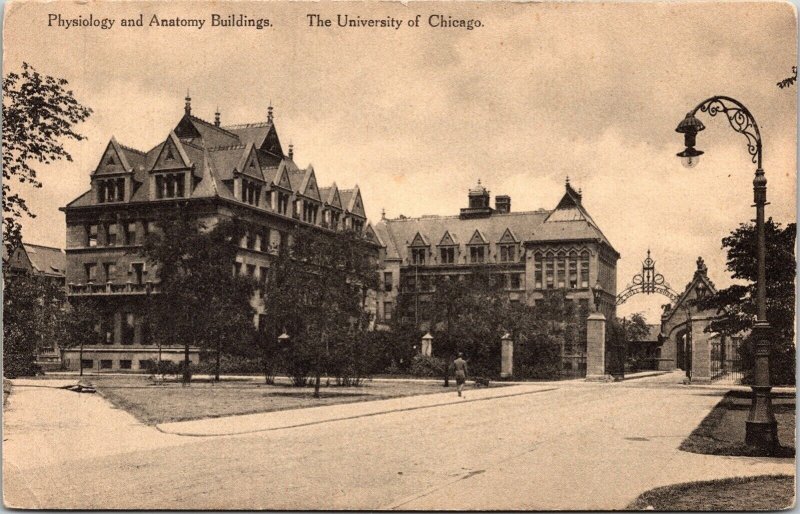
(647, 282)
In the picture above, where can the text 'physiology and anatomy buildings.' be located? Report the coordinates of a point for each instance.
(535, 251)
(217, 172)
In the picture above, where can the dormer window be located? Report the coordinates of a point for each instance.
(310, 211)
(508, 253)
(477, 254)
(110, 190)
(170, 185)
(447, 255)
(251, 192)
(283, 203)
(358, 225)
(418, 256)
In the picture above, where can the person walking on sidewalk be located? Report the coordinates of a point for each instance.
(460, 366)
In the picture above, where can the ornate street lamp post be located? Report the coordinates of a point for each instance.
(761, 425)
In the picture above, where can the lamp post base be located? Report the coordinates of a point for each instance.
(761, 426)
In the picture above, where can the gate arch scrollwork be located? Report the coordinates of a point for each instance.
(648, 281)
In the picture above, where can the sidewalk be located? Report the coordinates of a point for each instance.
(276, 420)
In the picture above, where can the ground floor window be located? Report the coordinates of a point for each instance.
(87, 363)
(105, 364)
(124, 364)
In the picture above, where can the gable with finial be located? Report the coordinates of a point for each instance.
(272, 144)
(113, 160)
(309, 187)
(172, 155)
(508, 237)
(419, 241)
(282, 177)
(334, 199)
(478, 238)
(356, 204)
(448, 239)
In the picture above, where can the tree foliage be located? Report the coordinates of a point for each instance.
(38, 115)
(32, 317)
(736, 304)
(317, 292)
(201, 301)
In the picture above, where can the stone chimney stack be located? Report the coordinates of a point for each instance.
(502, 204)
(216, 118)
(269, 113)
(187, 107)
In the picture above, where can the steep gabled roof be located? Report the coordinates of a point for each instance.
(226, 160)
(371, 235)
(46, 259)
(330, 195)
(254, 133)
(309, 187)
(396, 233)
(193, 128)
(569, 221)
(351, 199)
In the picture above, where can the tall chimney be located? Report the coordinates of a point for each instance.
(502, 204)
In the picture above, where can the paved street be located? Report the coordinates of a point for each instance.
(567, 445)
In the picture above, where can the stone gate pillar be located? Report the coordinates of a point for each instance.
(506, 356)
(596, 347)
(701, 353)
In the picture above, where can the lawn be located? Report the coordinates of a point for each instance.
(767, 492)
(722, 432)
(154, 403)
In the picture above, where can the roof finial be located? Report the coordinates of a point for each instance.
(291, 151)
(269, 112)
(188, 106)
(479, 181)
(383, 214)
(216, 117)
(567, 179)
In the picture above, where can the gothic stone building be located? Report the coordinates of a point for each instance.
(536, 251)
(218, 172)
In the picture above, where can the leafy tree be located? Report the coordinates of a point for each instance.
(621, 334)
(789, 81)
(32, 317)
(79, 327)
(736, 304)
(38, 114)
(544, 332)
(201, 301)
(317, 291)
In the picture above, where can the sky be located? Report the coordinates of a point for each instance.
(415, 116)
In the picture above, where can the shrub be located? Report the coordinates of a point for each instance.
(424, 366)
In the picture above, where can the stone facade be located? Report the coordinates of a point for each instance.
(534, 251)
(215, 172)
